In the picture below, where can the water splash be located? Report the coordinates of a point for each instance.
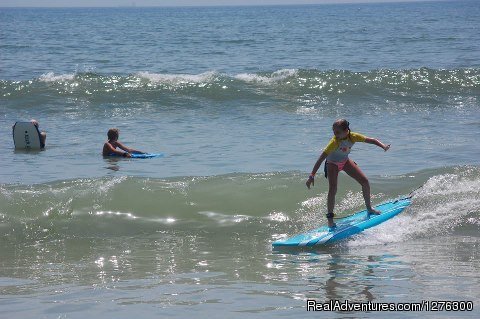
(446, 202)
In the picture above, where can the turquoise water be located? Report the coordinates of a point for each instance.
(241, 101)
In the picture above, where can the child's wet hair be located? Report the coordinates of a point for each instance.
(113, 134)
(343, 124)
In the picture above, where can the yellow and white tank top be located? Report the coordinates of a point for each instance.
(338, 149)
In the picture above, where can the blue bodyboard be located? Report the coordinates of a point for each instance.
(141, 155)
(147, 155)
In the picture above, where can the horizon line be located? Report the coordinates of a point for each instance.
(328, 2)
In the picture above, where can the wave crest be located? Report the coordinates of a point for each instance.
(284, 83)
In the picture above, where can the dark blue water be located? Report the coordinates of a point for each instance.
(440, 35)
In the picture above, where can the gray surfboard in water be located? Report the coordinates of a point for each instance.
(26, 136)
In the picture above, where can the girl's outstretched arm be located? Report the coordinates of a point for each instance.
(374, 141)
(311, 180)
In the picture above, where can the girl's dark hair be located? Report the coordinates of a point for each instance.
(342, 123)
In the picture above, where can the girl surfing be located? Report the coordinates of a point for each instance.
(336, 156)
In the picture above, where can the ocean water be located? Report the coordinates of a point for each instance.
(241, 100)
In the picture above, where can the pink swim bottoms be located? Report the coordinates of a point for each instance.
(340, 165)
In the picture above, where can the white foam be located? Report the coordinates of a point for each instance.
(104, 185)
(179, 78)
(314, 203)
(444, 203)
(397, 229)
(276, 76)
(51, 77)
(278, 217)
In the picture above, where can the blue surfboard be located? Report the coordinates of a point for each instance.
(346, 226)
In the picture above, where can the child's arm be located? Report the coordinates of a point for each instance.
(109, 149)
(311, 179)
(127, 149)
(374, 141)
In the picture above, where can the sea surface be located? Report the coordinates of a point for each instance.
(241, 101)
